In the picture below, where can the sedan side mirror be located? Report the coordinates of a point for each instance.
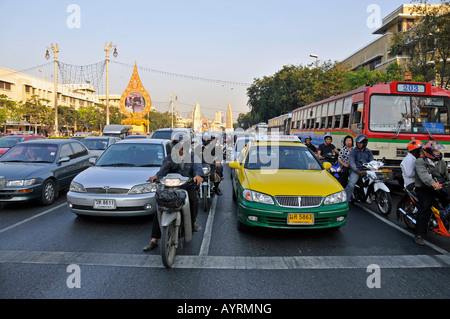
(64, 159)
(234, 164)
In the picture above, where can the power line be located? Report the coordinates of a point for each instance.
(184, 76)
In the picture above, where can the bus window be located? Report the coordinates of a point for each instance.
(387, 111)
(337, 114)
(346, 112)
(356, 118)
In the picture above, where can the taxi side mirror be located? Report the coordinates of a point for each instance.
(326, 165)
(234, 164)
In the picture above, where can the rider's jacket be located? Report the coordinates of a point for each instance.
(189, 167)
(408, 166)
(358, 156)
(424, 166)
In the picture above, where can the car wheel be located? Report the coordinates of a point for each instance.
(49, 192)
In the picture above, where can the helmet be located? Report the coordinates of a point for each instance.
(308, 137)
(179, 138)
(362, 139)
(206, 137)
(414, 145)
(327, 135)
(431, 147)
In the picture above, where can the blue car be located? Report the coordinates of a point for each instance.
(40, 169)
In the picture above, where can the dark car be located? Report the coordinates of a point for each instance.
(40, 169)
(8, 141)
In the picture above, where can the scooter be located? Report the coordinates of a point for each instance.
(205, 188)
(371, 187)
(439, 220)
(174, 215)
(336, 168)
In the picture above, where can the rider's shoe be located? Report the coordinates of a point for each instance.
(152, 245)
(419, 240)
(217, 191)
(196, 228)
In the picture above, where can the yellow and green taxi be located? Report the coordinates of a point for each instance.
(278, 182)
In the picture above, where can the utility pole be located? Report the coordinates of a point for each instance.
(107, 48)
(171, 103)
(55, 50)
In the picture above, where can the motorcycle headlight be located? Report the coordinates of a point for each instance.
(257, 197)
(206, 170)
(336, 198)
(172, 182)
(143, 188)
(77, 187)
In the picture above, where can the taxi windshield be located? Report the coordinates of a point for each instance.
(281, 157)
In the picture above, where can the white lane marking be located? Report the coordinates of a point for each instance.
(224, 262)
(204, 249)
(31, 218)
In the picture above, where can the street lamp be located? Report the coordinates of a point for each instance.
(107, 48)
(55, 50)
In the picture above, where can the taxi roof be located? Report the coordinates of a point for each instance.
(277, 139)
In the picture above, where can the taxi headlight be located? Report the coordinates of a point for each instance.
(143, 188)
(20, 182)
(336, 198)
(257, 197)
(77, 187)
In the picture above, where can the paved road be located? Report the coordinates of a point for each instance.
(46, 250)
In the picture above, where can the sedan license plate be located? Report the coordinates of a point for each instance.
(104, 204)
(304, 219)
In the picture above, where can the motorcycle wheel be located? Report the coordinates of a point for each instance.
(384, 202)
(205, 198)
(409, 208)
(168, 249)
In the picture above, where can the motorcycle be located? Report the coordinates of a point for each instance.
(336, 168)
(174, 215)
(437, 223)
(371, 187)
(205, 188)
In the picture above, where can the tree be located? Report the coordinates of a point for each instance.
(427, 43)
(8, 110)
(35, 111)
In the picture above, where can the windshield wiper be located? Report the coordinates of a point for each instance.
(150, 165)
(15, 161)
(118, 164)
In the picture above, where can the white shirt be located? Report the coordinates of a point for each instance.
(408, 166)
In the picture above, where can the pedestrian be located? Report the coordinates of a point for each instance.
(343, 159)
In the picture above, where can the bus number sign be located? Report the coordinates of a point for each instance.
(411, 88)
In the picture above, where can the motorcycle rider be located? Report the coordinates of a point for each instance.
(326, 147)
(408, 164)
(185, 163)
(426, 185)
(359, 155)
(209, 148)
(312, 147)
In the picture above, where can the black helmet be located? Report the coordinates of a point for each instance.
(308, 138)
(362, 139)
(179, 138)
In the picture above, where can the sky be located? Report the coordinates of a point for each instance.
(226, 40)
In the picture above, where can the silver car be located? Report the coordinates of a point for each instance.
(98, 144)
(117, 184)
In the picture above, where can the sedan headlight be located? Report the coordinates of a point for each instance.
(143, 189)
(20, 183)
(257, 197)
(77, 187)
(336, 198)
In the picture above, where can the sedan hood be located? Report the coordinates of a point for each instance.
(13, 171)
(117, 177)
(292, 182)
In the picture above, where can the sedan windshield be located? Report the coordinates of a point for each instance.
(95, 143)
(281, 157)
(31, 153)
(128, 154)
(10, 141)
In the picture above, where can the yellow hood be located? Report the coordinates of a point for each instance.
(291, 182)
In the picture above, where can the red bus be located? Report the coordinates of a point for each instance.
(390, 114)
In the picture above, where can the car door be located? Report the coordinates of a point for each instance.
(65, 170)
(81, 157)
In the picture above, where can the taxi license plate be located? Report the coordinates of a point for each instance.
(104, 203)
(304, 219)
